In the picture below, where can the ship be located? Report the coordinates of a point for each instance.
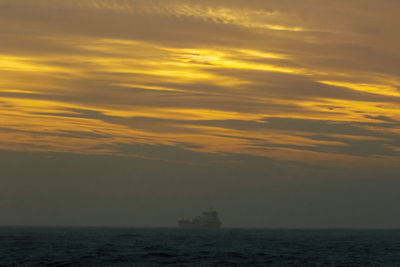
(208, 220)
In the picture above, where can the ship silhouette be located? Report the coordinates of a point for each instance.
(208, 220)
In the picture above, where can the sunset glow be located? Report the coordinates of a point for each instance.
(202, 76)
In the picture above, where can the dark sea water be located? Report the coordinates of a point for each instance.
(178, 247)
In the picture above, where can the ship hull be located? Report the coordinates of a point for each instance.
(191, 225)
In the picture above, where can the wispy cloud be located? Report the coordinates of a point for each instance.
(212, 77)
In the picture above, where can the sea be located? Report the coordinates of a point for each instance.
(30, 246)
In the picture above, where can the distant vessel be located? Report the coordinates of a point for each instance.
(208, 219)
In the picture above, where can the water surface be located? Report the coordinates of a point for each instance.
(180, 247)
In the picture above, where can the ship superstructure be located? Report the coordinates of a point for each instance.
(208, 219)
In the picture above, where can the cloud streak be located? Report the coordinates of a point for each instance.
(216, 77)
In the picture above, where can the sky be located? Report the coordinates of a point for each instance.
(137, 112)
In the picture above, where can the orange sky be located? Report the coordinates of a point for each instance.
(294, 81)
